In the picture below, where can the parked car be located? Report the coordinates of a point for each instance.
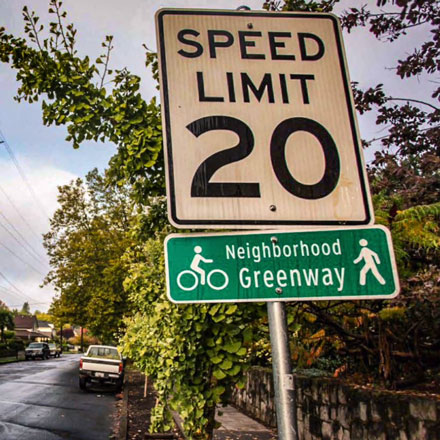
(101, 364)
(37, 350)
(55, 351)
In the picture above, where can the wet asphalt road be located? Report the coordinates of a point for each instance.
(41, 400)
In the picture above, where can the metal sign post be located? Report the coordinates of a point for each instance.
(285, 402)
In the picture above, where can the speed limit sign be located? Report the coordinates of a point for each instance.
(258, 121)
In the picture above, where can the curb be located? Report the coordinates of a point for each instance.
(123, 424)
(168, 435)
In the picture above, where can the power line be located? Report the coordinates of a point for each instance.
(21, 244)
(23, 176)
(21, 236)
(21, 259)
(31, 303)
(16, 295)
(13, 293)
(19, 213)
(17, 290)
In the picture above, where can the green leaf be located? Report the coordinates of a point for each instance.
(234, 370)
(226, 364)
(218, 391)
(219, 374)
(242, 351)
(214, 309)
(232, 347)
(231, 309)
(216, 359)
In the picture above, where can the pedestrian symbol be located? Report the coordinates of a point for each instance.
(371, 259)
(192, 280)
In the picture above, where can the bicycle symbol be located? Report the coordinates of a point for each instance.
(195, 282)
(191, 279)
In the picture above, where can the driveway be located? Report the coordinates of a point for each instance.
(41, 400)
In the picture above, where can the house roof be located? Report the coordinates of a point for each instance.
(24, 321)
(42, 323)
(29, 334)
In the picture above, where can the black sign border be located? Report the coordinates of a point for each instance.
(166, 115)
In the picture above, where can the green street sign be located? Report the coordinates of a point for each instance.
(324, 264)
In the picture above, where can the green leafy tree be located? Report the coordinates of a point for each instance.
(26, 309)
(73, 93)
(89, 234)
(6, 320)
(44, 316)
(195, 353)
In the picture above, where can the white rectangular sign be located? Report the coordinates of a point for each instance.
(258, 121)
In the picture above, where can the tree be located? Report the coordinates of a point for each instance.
(6, 320)
(406, 166)
(25, 310)
(44, 316)
(89, 234)
(75, 96)
(194, 353)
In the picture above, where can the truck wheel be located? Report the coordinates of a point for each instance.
(82, 383)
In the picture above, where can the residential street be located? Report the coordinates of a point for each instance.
(41, 400)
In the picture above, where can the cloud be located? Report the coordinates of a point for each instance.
(23, 260)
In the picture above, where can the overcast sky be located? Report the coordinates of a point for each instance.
(48, 161)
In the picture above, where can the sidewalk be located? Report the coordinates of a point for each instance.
(135, 410)
(236, 425)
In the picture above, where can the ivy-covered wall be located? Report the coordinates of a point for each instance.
(330, 409)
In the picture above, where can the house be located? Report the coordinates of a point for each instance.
(46, 328)
(26, 328)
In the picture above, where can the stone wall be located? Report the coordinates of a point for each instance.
(330, 409)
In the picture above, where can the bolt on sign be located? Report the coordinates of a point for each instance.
(350, 263)
(258, 121)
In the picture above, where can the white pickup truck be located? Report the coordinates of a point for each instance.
(101, 364)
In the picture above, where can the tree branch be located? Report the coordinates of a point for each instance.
(387, 135)
(107, 58)
(329, 321)
(37, 40)
(414, 100)
(57, 9)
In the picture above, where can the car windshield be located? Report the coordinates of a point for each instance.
(35, 345)
(52, 346)
(103, 352)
